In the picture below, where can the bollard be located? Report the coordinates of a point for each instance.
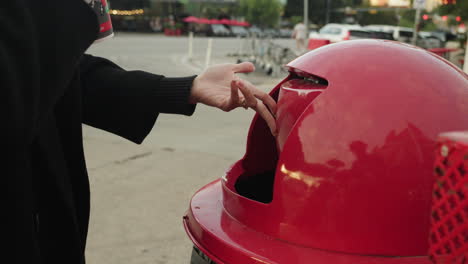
(240, 46)
(190, 46)
(208, 53)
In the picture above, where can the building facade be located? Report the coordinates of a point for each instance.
(430, 4)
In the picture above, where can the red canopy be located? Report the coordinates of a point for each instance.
(226, 21)
(191, 19)
(204, 21)
(243, 23)
(215, 21)
(239, 23)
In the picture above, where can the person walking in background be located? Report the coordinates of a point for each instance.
(300, 34)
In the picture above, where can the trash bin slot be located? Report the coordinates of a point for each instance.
(257, 187)
(309, 81)
(260, 162)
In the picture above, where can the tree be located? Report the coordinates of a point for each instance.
(261, 12)
(460, 8)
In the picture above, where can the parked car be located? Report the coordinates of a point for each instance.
(444, 36)
(270, 32)
(218, 30)
(424, 40)
(383, 28)
(254, 30)
(402, 34)
(431, 40)
(334, 32)
(369, 34)
(285, 33)
(239, 31)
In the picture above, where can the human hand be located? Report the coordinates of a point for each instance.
(218, 86)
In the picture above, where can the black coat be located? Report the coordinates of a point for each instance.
(48, 89)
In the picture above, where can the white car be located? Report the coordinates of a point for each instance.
(402, 34)
(334, 32)
(239, 31)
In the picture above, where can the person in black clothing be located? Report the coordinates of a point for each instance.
(49, 88)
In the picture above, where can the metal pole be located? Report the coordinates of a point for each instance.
(241, 43)
(465, 63)
(306, 14)
(417, 19)
(327, 19)
(208, 53)
(190, 46)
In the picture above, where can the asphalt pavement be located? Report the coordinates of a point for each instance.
(140, 192)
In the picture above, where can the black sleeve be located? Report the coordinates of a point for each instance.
(127, 103)
(18, 113)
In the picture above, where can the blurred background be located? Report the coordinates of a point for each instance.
(439, 23)
(157, 15)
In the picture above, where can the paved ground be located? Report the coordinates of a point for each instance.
(140, 192)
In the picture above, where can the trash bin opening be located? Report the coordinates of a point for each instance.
(255, 179)
(309, 82)
(256, 182)
(258, 187)
(317, 82)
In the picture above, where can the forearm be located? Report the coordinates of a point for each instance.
(127, 103)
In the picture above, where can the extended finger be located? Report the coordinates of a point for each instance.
(248, 95)
(266, 98)
(243, 67)
(234, 100)
(267, 116)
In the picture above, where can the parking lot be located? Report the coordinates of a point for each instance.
(140, 192)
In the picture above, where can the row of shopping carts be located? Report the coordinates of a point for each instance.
(268, 56)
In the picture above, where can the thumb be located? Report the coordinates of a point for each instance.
(243, 67)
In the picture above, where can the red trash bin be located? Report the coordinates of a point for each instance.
(350, 181)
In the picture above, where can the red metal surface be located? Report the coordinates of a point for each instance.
(227, 241)
(317, 43)
(294, 96)
(449, 221)
(354, 175)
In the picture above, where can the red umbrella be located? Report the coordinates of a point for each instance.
(244, 24)
(236, 23)
(215, 21)
(204, 21)
(225, 21)
(191, 19)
